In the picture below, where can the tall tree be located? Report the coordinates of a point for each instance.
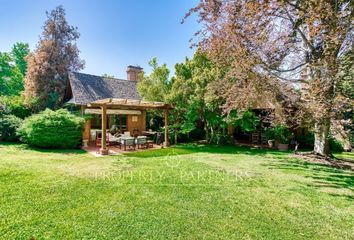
(5, 72)
(192, 99)
(106, 75)
(12, 69)
(156, 86)
(282, 47)
(19, 52)
(48, 66)
(194, 108)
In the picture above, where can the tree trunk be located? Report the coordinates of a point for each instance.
(176, 135)
(321, 146)
(211, 134)
(206, 132)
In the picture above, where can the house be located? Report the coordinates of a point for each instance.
(112, 103)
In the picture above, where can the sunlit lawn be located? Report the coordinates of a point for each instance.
(348, 156)
(187, 192)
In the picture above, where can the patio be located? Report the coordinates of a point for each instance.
(130, 139)
(116, 150)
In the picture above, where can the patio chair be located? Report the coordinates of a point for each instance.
(135, 132)
(150, 143)
(114, 129)
(99, 140)
(115, 140)
(128, 141)
(127, 134)
(141, 141)
(159, 138)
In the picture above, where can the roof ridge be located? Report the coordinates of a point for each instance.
(87, 88)
(106, 78)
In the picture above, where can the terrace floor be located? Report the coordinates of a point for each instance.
(114, 150)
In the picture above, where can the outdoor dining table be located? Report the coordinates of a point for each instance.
(131, 143)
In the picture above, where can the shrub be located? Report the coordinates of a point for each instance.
(335, 145)
(248, 122)
(223, 139)
(8, 127)
(306, 140)
(15, 105)
(281, 134)
(270, 134)
(52, 129)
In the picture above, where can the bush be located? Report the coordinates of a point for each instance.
(306, 140)
(15, 105)
(8, 127)
(248, 122)
(335, 145)
(221, 139)
(52, 129)
(270, 134)
(281, 134)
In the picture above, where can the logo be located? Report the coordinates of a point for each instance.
(173, 160)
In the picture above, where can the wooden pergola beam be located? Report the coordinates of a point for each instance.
(126, 106)
(166, 142)
(104, 150)
(129, 103)
(113, 111)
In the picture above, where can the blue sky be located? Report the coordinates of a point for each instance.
(114, 33)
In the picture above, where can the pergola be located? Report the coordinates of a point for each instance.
(126, 105)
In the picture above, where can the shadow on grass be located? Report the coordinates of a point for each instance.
(194, 148)
(43, 150)
(323, 176)
(344, 156)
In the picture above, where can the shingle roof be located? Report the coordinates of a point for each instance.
(87, 88)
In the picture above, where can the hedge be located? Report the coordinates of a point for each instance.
(14, 105)
(8, 127)
(52, 129)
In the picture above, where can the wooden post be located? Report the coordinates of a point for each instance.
(167, 142)
(104, 150)
(87, 130)
(82, 111)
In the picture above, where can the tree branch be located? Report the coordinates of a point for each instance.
(308, 43)
(286, 70)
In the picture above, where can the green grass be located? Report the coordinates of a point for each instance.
(347, 156)
(187, 192)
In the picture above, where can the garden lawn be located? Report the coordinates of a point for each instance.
(187, 192)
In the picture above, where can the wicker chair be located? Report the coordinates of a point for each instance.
(141, 141)
(115, 140)
(128, 141)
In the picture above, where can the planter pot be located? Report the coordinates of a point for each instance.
(85, 143)
(283, 147)
(271, 143)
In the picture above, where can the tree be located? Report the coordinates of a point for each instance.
(281, 50)
(48, 66)
(106, 75)
(5, 72)
(156, 86)
(19, 53)
(194, 108)
(12, 69)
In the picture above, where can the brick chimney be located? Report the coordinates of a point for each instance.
(133, 72)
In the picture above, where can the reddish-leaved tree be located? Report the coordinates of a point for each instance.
(288, 50)
(48, 66)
